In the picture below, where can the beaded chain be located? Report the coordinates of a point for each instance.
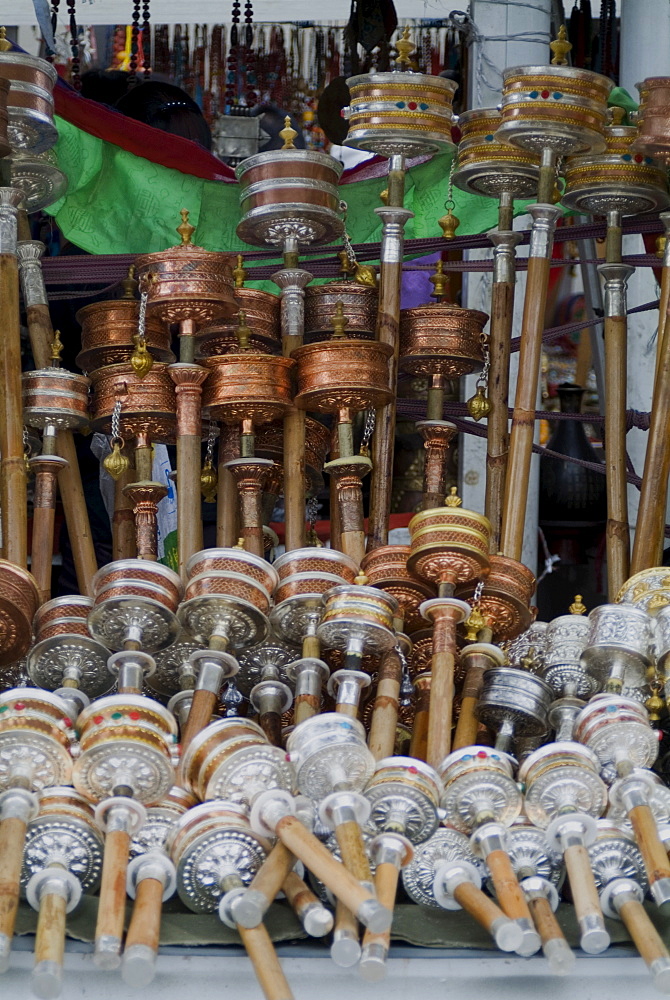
(74, 46)
(134, 43)
(146, 39)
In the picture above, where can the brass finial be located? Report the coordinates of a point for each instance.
(449, 223)
(617, 115)
(474, 624)
(384, 196)
(453, 499)
(577, 608)
(312, 539)
(660, 247)
(529, 661)
(5, 45)
(240, 544)
(404, 47)
(243, 333)
(209, 481)
(347, 266)
(56, 350)
(140, 360)
(479, 405)
(655, 703)
(239, 272)
(560, 47)
(439, 281)
(340, 322)
(130, 284)
(185, 230)
(288, 134)
(116, 463)
(361, 580)
(365, 275)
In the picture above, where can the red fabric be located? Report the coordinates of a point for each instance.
(323, 527)
(160, 147)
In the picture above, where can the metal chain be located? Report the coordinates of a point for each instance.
(477, 596)
(450, 203)
(350, 252)
(211, 440)
(312, 510)
(483, 377)
(142, 320)
(116, 421)
(368, 430)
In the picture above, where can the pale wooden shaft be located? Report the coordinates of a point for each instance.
(112, 905)
(442, 666)
(510, 894)
(544, 918)
(480, 906)
(13, 485)
(497, 434)
(582, 885)
(123, 521)
(381, 739)
(200, 715)
(618, 533)
(267, 968)
(272, 874)
(645, 937)
(50, 932)
(352, 849)
(145, 922)
(651, 846)
(12, 839)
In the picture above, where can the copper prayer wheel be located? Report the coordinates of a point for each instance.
(343, 374)
(554, 106)
(5, 148)
(488, 167)
(441, 339)
(386, 568)
(422, 651)
(30, 103)
(56, 397)
(289, 193)
(187, 283)
(19, 600)
(617, 180)
(400, 113)
(449, 545)
(505, 600)
(148, 404)
(653, 117)
(306, 583)
(233, 560)
(262, 311)
(62, 616)
(349, 605)
(138, 578)
(229, 585)
(317, 561)
(107, 331)
(250, 386)
(359, 307)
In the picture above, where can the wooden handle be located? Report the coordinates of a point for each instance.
(270, 723)
(50, 933)
(523, 419)
(299, 895)
(189, 520)
(145, 922)
(480, 906)
(203, 704)
(467, 725)
(321, 863)
(651, 847)
(352, 543)
(497, 435)
(441, 707)
(345, 948)
(381, 740)
(41, 551)
(546, 924)
(335, 524)
(509, 892)
(123, 522)
(582, 885)
(352, 849)
(263, 956)
(272, 874)
(13, 485)
(645, 937)
(12, 840)
(386, 887)
(112, 903)
(618, 533)
(418, 746)
(663, 302)
(226, 505)
(294, 478)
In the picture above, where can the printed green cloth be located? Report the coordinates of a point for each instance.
(117, 202)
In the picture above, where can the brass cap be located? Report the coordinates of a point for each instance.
(560, 47)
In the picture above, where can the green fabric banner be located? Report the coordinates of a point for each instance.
(121, 203)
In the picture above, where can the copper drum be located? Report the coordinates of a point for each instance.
(343, 374)
(355, 603)
(555, 107)
(441, 339)
(653, 117)
(233, 560)
(248, 385)
(187, 283)
(215, 736)
(306, 583)
(262, 312)
(422, 651)
(448, 545)
(400, 113)
(63, 626)
(72, 606)
(19, 601)
(505, 599)
(38, 176)
(289, 193)
(148, 404)
(5, 148)
(135, 588)
(386, 568)
(229, 585)
(618, 180)
(55, 396)
(360, 309)
(316, 560)
(141, 570)
(107, 331)
(30, 103)
(488, 167)
(448, 516)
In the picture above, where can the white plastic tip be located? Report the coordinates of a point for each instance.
(139, 966)
(345, 952)
(318, 921)
(560, 956)
(107, 953)
(507, 935)
(46, 981)
(5, 949)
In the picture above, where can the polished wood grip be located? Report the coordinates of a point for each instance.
(13, 481)
(354, 856)
(12, 840)
(480, 906)
(189, 519)
(442, 666)
(274, 871)
(50, 933)
(381, 740)
(267, 968)
(497, 435)
(123, 521)
(651, 847)
(112, 903)
(582, 885)
(145, 922)
(294, 476)
(203, 705)
(618, 533)
(645, 937)
(321, 863)
(544, 918)
(386, 887)
(298, 894)
(510, 894)
(467, 725)
(41, 550)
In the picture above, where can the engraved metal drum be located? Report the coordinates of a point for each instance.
(566, 637)
(488, 167)
(38, 176)
(441, 339)
(619, 644)
(107, 331)
(359, 305)
(30, 104)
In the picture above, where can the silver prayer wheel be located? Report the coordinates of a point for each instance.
(531, 854)
(614, 853)
(36, 739)
(530, 644)
(648, 590)
(619, 645)
(135, 599)
(329, 751)
(478, 783)
(513, 703)
(420, 877)
(64, 654)
(38, 176)
(64, 833)
(617, 729)
(662, 629)
(488, 167)
(30, 104)
(562, 778)
(404, 795)
(358, 620)
(566, 637)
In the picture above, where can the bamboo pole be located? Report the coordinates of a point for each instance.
(188, 379)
